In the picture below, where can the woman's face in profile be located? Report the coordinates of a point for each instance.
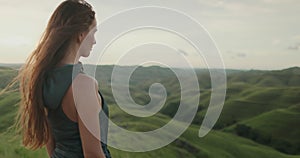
(89, 41)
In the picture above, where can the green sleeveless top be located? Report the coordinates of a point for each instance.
(65, 131)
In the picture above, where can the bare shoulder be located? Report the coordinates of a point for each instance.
(84, 79)
(85, 90)
(84, 84)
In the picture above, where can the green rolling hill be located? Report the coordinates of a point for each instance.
(260, 117)
(278, 128)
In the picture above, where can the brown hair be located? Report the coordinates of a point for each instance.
(70, 18)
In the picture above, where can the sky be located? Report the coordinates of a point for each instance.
(249, 34)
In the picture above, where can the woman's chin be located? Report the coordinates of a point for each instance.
(85, 55)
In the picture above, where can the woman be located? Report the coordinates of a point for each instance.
(60, 104)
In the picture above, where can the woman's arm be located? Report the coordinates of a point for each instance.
(88, 105)
(90, 144)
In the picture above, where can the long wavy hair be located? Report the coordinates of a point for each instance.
(70, 18)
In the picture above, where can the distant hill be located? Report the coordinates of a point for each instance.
(286, 77)
(13, 66)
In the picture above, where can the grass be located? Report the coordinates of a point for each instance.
(11, 148)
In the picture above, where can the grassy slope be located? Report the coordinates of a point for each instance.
(278, 128)
(11, 148)
(8, 110)
(273, 124)
(215, 145)
(248, 99)
(6, 75)
(254, 101)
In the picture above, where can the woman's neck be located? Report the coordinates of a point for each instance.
(70, 58)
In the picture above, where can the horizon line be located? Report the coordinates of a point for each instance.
(205, 68)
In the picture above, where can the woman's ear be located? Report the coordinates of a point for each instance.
(80, 37)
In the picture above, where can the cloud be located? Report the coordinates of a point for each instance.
(294, 47)
(237, 54)
(241, 55)
(240, 7)
(278, 1)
